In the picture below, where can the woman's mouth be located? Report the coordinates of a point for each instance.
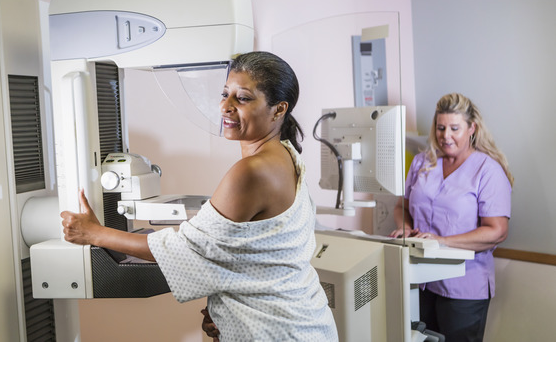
(227, 123)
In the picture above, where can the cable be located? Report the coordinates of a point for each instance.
(336, 153)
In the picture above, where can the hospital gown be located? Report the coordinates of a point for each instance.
(257, 275)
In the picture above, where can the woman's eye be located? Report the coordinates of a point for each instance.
(224, 95)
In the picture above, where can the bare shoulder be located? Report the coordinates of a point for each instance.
(257, 187)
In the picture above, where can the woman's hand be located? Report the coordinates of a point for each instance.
(428, 235)
(80, 228)
(399, 233)
(84, 229)
(404, 232)
(209, 327)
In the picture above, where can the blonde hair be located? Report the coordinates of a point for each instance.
(481, 140)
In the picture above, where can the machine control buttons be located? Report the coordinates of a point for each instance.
(110, 180)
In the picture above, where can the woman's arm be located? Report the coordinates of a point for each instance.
(84, 228)
(491, 232)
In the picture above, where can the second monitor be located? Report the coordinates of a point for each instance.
(373, 138)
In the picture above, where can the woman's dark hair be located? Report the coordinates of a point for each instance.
(277, 81)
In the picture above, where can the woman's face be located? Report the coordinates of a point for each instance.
(453, 134)
(245, 112)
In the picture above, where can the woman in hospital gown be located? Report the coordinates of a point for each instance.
(249, 248)
(459, 192)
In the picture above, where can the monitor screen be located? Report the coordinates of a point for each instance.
(374, 139)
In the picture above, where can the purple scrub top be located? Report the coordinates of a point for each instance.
(478, 188)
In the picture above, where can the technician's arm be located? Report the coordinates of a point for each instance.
(492, 231)
(84, 228)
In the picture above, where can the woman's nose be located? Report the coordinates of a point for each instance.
(226, 106)
(446, 134)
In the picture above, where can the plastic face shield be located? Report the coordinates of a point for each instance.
(195, 91)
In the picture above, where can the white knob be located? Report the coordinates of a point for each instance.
(122, 210)
(110, 180)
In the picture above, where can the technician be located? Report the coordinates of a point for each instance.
(249, 248)
(458, 192)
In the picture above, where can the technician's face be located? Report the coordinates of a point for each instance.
(245, 113)
(453, 134)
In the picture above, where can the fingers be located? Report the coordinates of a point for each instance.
(85, 207)
(396, 233)
(84, 202)
(68, 218)
(77, 227)
(400, 232)
(208, 326)
(426, 235)
(68, 222)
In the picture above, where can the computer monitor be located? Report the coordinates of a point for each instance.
(373, 138)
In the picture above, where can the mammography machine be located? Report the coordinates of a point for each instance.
(68, 126)
(91, 138)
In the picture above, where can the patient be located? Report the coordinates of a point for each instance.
(458, 192)
(248, 250)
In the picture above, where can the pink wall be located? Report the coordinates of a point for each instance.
(193, 161)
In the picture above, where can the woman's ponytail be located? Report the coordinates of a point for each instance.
(290, 130)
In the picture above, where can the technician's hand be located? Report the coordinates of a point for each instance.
(80, 228)
(407, 232)
(428, 235)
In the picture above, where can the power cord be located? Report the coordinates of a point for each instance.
(336, 153)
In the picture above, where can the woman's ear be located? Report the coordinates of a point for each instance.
(472, 127)
(281, 109)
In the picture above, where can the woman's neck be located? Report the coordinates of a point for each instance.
(450, 164)
(252, 148)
